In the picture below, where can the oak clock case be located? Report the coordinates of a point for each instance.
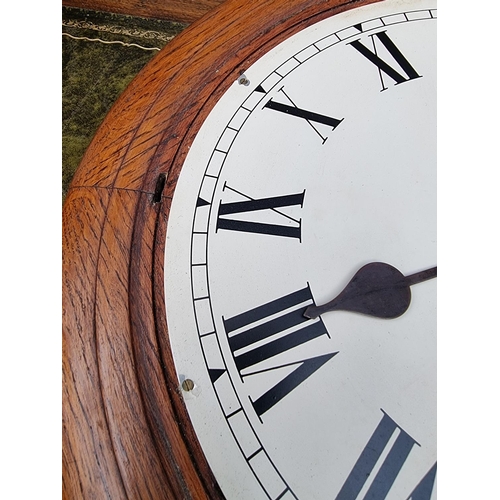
(204, 355)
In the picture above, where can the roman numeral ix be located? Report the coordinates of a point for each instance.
(292, 229)
(253, 327)
(408, 71)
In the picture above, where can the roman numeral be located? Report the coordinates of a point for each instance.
(251, 205)
(311, 117)
(423, 490)
(253, 327)
(408, 70)
(397, 453)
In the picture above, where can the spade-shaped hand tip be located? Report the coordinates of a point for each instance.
(377, 289)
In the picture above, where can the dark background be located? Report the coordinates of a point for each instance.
(95, 72)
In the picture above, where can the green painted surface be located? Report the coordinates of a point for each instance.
(95, 72)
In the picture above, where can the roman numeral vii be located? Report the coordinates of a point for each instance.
(396, 452)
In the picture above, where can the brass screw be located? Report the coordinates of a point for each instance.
(243, 80)
(188, 385)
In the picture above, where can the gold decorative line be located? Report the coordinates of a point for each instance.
(110, 42)
(118, 30)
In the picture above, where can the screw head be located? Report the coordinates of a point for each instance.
(243, 80)
(187, 385)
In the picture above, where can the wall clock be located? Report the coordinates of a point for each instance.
(250, 263)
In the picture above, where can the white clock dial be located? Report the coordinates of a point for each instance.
(319, 160)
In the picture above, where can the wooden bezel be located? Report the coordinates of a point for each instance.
(126, 431)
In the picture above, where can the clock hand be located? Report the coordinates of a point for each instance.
(377, 289)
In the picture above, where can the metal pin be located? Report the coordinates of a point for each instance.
(243, 80)
(188, 385)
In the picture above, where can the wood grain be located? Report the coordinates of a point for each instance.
(126, 431)
(173, 10)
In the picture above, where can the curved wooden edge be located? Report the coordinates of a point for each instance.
(173, 10)
(156, 369)
(126, 432)
(87, 446)
(109, 449)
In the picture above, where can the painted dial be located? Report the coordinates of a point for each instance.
(319, 160)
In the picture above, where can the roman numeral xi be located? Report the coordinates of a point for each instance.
(404, 73)
(249, 334)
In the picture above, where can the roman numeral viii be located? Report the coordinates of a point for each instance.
(397, 452)
(291, 228)
(249, 334)
(408, 71)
